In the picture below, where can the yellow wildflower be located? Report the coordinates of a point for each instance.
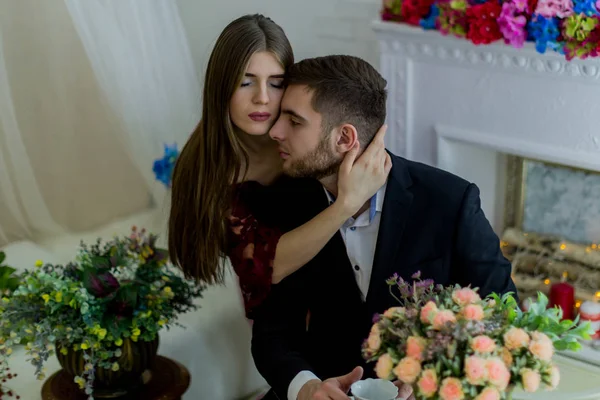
(13, 334)
(75, 347)
(119, 341)
(84, 346)
(39, 263)
(5, 300)
(58, 297)
(162, 322)
(41, 377)
(64, 351)
(135, 332)
(115, 367)
(46, 298)
(101, 333)
(80, 381)
(88, 367)
(8, 351)
(165, 278)
(49, 347)
(29, 331)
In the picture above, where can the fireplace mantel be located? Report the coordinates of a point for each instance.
(537, 105)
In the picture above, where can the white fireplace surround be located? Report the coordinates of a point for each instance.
(463, 107)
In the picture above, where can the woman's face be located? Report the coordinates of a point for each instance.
(254, 106)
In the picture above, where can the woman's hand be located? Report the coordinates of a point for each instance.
(359, 179)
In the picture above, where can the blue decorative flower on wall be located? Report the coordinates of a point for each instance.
(163, 167)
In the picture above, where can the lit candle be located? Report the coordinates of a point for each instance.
(563, 295)
(590, 311)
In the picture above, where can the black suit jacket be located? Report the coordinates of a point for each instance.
(431, 222)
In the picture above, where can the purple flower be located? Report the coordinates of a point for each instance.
(512, 24)
(99, 284)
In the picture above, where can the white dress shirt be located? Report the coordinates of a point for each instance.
(360, 238)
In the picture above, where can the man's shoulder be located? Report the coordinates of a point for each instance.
(430, 178)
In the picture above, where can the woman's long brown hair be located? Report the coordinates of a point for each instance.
(211, 160)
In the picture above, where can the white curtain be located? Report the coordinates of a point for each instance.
(21, 201)
(141, 59)
(89, 92)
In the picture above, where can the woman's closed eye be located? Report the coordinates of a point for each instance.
(276, 84)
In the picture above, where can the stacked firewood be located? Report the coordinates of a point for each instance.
(540, 260)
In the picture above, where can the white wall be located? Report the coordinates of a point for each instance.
(314, 27)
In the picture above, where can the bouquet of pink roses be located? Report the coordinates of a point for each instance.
(451, 344)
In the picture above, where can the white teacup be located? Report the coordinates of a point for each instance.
(374, 389)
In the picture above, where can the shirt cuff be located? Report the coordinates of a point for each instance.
(297, 383)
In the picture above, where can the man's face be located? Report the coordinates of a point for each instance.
(306, 150)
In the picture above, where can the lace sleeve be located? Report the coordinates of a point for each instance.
(251, 251)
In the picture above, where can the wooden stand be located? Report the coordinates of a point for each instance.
(167, 380)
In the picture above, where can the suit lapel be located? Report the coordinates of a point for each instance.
(395, 213)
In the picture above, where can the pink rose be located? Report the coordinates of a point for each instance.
(516, 338)
(442, 318)
(473, 312)
(374, 340)
(507, 357)
(428, 312)
(465, 296)
(475, 370)
(391, 312)
(415, 346)
(384, 366)
(408, 369)
(483, 344)
(428, 383)
(489, 393)
(531, 380)
(554, 377)
(498, 374)
(451, 389)
(541, 346)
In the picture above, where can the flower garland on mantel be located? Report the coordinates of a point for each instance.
(569, 27)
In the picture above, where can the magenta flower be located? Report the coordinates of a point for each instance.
(512, 23)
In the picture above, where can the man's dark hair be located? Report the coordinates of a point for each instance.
(346, 89)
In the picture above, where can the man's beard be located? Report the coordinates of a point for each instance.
(318, 164)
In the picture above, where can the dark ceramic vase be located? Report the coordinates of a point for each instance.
(136, 357)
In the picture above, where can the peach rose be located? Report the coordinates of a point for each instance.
(428, 312)
(384, 366)
(473, 312)
(415, 346)
(531, 379)
(391, 312)
(374, 340)
(428, 383)
(515, 338)
(408, 369)
(475, 370)
(483, 344)
(442, 318)
(451, 389)
(506, 356)
(554, 377)
(541, 346)
(465, 296)
(498, 374)
(489, 393)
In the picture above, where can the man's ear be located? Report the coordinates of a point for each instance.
(347, 137)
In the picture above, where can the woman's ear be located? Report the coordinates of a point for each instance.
(346, 139)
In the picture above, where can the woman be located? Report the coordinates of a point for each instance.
(230, 155)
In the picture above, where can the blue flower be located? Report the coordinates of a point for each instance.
(430, 21)
(587, 7)
(544, 32)
(163, 167)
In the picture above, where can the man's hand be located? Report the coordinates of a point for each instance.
(331, 389)
(404, 391)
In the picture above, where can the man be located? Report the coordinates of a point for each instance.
(422, 219)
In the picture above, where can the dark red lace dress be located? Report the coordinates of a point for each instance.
(252, 248)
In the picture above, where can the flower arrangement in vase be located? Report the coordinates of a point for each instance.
(451, 344)
(101, 314)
